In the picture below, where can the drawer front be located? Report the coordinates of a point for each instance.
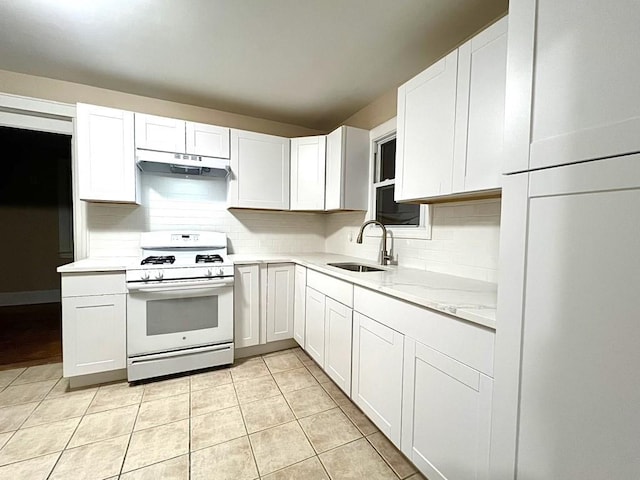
(470, 344)
(339, 290)
(81, 284)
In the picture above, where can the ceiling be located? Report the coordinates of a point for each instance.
(311, 63)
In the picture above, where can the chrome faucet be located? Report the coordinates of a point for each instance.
(385, 258)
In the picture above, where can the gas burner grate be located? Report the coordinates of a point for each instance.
(208, 259)
(159, 260)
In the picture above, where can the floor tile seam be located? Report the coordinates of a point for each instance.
(65, 447)
(150, 464)
(244, 424)
(112, 408)
(142, 400)
(60, 419)
(217, 443)
(188, 417)
(59, 452)
(126, 450)
(383, 458)
(13, 384)
(191, 390)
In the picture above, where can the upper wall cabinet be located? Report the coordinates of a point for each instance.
(259, 171)
(580, 58)
(178, 136)
(307, 173)
(478, 149)
(106, 155)
(347, 167)
(451, 121)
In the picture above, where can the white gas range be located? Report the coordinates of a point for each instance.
(180, 304)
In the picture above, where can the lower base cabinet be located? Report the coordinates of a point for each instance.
(337, 343)
(377, 374)
(314, 329)
(94, 326)
(446, 415)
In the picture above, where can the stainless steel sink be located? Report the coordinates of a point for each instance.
(356, 267)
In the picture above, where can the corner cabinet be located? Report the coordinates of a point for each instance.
(299, 303)
(280, 293)
(451, 122)
(93, 323)
(259, 171)
(314, 325)
(107, 169)
(308, 173)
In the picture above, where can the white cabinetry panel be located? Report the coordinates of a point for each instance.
(280, 289)
(299, 304)
(307, 173)
(160, 133)
(314, 330)
(246, 298)
(446, 415)
(260, 171)
(207, 140)
(426, 127)
(337, 343)
(377, 374)
(106, 155)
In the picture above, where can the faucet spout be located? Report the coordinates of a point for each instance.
(385, 258)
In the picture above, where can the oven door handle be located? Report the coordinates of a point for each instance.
(180, 286)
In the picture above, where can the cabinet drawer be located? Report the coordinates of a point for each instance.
(81, 284)
(468, 343)
(339, 290)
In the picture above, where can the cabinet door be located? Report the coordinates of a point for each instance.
(347, 179)
(426, 123)
(307, 173)
(577, 362)
(260, 171)
(482, 64)
(246, 299)
(377, 374)
(207, 140)
(446, 415)
(299, 302)
(314, 326)
(279, 301)
(106, 154)
(93, 334)
(337, 343)
(160, 133)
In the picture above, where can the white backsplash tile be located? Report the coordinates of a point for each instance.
(464, 235)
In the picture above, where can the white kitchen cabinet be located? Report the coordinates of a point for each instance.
(207, 140)
(451, 122)
(106, 155)
(377, 374)
(580, 57)
(246, 298)
(179, 136)
(425, 132)
(308, 173)
(314, 325)
(446, 415)
(259, 171)
(93, 323)
(280, 293)
(299, 302)
(337, 343)
(567, 352)
(347, 167)
(478, 151)
(160, 133)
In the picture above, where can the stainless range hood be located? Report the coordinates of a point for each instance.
(181, 164)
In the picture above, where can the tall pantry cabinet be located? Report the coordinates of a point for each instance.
(565, 398)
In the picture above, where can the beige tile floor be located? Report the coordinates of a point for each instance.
(272, 417)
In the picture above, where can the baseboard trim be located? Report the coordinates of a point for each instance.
(82, 381)
(33, 297)
(265, 348)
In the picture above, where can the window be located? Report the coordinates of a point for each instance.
(387, 210)
(405, 220)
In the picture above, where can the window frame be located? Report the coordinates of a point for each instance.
(384, 132)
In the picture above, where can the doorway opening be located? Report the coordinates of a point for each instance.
(37, 237)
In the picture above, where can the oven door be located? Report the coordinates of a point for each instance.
(176, 315)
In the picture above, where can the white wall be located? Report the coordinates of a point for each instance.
(465, 240)
(173, 202)
(464, 235)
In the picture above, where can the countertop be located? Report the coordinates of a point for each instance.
(471, 300)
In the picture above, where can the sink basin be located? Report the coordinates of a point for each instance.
(356, 267)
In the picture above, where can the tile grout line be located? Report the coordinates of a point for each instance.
(253, 454)
(126, 450)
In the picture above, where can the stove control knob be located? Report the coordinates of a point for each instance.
(145, 276)
(159, 275)
(220, 272)
(209, 273)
